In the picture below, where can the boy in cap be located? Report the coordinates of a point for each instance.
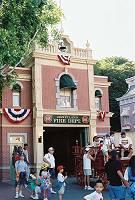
(87, 168)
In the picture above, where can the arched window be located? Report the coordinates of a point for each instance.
(16, 95)
(98, 96)
(67, 86)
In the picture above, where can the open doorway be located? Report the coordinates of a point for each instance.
(62, 139)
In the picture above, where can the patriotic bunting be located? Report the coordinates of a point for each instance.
(102, 115)
(64, 59)
(16, 115)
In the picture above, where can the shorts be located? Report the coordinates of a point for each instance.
(52, 172)
(116, 192)
(87, 172)
(62, 190)
(22, 179)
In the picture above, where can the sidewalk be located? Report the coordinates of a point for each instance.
(73, 192)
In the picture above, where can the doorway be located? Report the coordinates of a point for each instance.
(15, 141)
(62, 139)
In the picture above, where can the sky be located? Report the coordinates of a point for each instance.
(109, 25)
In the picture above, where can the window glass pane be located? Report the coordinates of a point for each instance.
(65, 97)
(98, 103)
(16, 99)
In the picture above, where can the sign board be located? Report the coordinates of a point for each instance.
(66, 119)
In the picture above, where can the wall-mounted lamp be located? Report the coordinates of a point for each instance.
(40, 139)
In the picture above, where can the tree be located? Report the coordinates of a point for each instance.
(117, 69)
(23, 22)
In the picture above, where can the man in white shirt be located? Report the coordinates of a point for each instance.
(125, 145)
(49, 158)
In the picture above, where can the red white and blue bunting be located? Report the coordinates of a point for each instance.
(102, 115)
(65, 59)
(16, 115)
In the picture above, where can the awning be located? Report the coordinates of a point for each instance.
(98, 93)
(125, 113)
(67, 82)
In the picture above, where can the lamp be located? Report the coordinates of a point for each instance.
(40, 139)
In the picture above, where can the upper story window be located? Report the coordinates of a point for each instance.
(66, 98)
(66, 91)
(16, 95)
(98, 97)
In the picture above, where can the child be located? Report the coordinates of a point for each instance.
(87, 168)
(61, 181)
(97, 195)
(34, 185)
(45, 181)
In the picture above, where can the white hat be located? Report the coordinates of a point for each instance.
(87, 149)
(51, 149)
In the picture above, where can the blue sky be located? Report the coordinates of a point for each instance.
(109, 25)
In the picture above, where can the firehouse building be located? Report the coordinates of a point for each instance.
(56, 101)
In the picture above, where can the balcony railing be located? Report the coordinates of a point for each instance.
(75, 52)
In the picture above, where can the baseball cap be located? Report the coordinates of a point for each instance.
(51, 149)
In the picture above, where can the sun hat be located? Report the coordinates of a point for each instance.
(44, 165)
(60, 167)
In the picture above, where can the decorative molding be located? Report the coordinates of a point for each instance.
(16, 134)
(62, 112)
(64, 125)
(15, 126)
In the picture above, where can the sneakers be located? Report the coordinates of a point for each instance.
(90, 188)
(21, 195)
(85, 187)
(16, 196)
(35, 197)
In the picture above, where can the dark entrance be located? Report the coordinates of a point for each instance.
(62, 139)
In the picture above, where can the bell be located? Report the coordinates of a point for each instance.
(62, 46)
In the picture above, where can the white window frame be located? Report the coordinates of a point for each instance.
(17, 94)
(66, 94)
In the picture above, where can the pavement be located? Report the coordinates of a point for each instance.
(73, 192)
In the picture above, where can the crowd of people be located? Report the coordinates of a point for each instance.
(120, 185)
(41, 185)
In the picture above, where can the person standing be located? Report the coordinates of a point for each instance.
(25, 151)
(87, 168)
(125, 145)
(50, 159)
(130, 177)
(115, 177)
(21, 174)
(61, 181)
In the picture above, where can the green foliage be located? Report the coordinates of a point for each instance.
(20, 19)
(117, 69)
(23, 22)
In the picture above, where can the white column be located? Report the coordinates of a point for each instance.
(37, 113)
(92, 127)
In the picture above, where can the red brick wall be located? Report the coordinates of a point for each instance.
(81, 76)
(105, 105)
(49, 88)
(26, 96)
(48, 85)
(26, 102)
